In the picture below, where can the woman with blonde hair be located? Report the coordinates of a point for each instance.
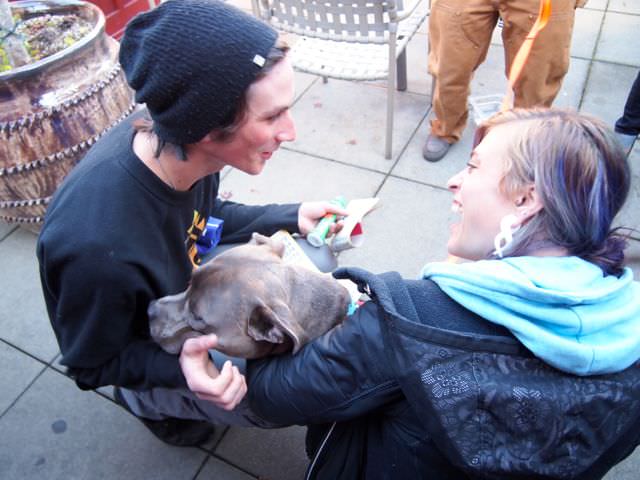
(522, 362)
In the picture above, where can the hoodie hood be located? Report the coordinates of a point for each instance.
(563, 309)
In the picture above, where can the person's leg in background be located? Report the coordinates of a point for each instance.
(548, 62)
(628, 125)
(459, 37)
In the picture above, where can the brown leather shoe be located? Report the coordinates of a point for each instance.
(435, 148)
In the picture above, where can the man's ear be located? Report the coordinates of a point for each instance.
(275, 325)
(528, 204)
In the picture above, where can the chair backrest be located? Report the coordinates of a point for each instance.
(361, 21)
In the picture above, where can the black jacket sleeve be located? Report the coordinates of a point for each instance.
(100, 322)
(340, 375)
(240, 221)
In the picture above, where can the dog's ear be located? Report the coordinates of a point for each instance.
(276, 246)
(257, 239)
(274, 325)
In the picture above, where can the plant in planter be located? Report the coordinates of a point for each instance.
(53, 108)
(13, 52)
(35, 38)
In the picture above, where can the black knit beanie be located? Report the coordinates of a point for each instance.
(190, 61)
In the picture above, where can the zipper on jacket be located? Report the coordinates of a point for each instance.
(315, 457)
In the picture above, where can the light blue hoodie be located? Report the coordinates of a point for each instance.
(561, 308)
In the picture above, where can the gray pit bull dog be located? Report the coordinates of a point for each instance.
(255, 303)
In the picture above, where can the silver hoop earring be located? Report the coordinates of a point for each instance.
(508, 226)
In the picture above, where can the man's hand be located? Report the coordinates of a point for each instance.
(310, 213)
(224, 388)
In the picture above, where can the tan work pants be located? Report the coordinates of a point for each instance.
(460, 34)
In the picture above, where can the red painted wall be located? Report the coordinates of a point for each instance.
(119, 12)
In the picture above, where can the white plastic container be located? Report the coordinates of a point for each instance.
(484, 106)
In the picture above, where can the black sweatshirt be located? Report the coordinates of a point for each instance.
(116, 237)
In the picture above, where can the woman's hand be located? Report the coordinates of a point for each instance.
(225, 388)
(310, 213)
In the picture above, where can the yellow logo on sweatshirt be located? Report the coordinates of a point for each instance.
(198, 225)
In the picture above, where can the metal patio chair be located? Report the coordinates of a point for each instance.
(349, 39)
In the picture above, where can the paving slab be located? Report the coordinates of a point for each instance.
(629, 216)
(490, 77)
(345, 121)
(408, 230)
(418, 77)
(622, 6)
(72, 434)
(597, 5)
(293, 177)
(303, 82)
(56, 363)
(6, 229)
(424, 28)
(632, 257)
(17, 371)
(585, 32)
(607, 90)
(573, 85)
(496, 36)
(23, 317)
(276, 454)
(411, 165)
(218, 469)
(634, 156)
(627, 469)
(619, 39)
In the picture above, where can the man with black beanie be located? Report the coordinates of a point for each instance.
(122, 229)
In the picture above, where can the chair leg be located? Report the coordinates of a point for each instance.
(401, 65)
(255, 8)
(391, 91)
